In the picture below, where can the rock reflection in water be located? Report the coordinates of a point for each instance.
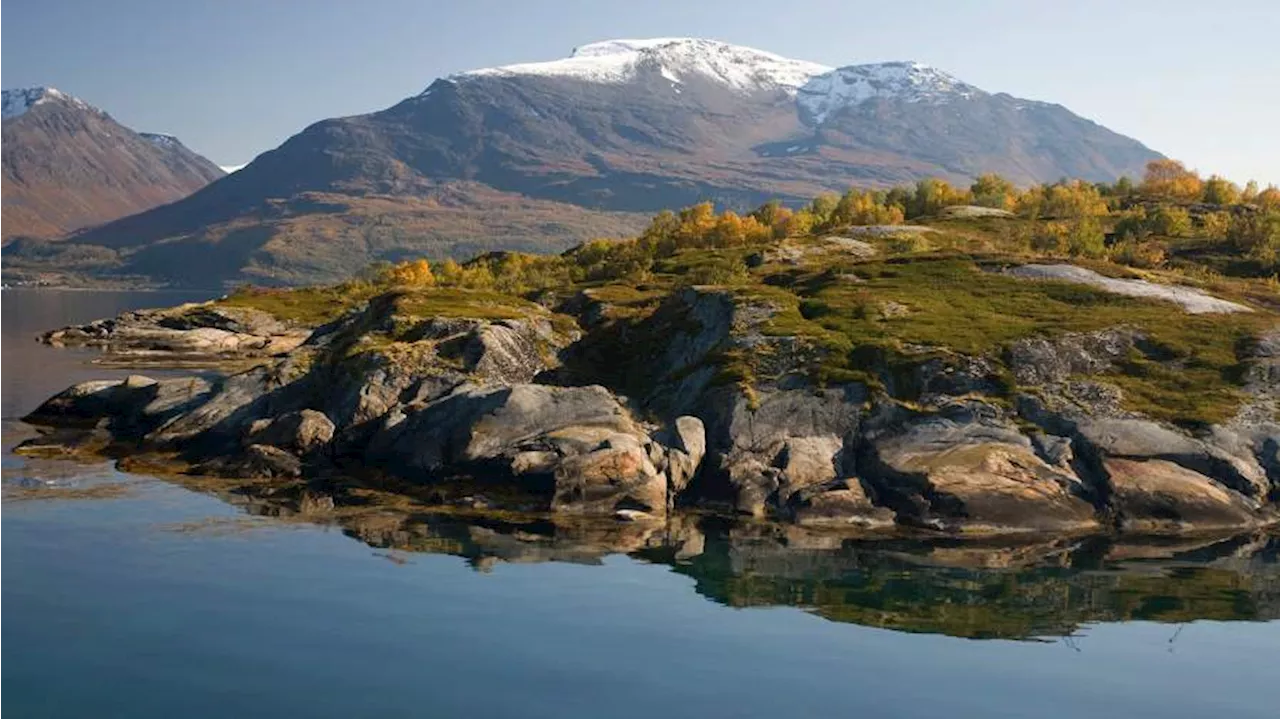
(1013, 590)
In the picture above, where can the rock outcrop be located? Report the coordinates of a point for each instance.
(202, 332)
(697, 403)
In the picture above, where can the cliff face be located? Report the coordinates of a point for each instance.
(757, 399)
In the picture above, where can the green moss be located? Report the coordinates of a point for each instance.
(1188, 373)
(462, 303)
(954, 302)
(308, 306)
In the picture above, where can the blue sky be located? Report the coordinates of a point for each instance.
(232, 78)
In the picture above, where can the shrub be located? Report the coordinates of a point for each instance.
(906, 242)
(1170, 221)
(1220, 191)
(933, 194)
(410, 273)
(1136, 253)
(1133, 223)
(1257, 234)
(992, 190)
(864, 208)
(1085, 238)
(1215, 225)
(1050, 238)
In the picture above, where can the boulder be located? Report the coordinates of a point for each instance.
(609, 479)
(688, 445)
(130, 407)
(1143, 439)
(750, 443)
(973, 476)
(1158, 497)
(84, 403)
(579, 444)
(533, 414)
(509, 351)
(231, 405)
(262, 460)
(843, 503)
(302, 432)
(806, 461)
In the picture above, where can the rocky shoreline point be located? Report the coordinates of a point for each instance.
(192, 333)
(583, 407)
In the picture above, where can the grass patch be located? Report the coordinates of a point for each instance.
(456, 302)
(307, 306)
(954, 303)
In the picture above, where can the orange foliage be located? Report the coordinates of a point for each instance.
(1170, 178)
(410, 273)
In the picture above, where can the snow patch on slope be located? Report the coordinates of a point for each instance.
(855, 84)
(16, 103)
(676, 59)
(160, 139)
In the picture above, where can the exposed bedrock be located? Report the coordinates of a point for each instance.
(528, 412)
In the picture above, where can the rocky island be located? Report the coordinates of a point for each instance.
(975, 373)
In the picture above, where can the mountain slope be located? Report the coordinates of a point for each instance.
(68, 165)
(623, 126)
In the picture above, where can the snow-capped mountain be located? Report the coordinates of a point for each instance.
(620, 126)
(18, 102)
(820, 90)
(68, 165)
(849, 86)
(676, 59)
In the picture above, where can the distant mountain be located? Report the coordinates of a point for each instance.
(622, 126)
(68, 165)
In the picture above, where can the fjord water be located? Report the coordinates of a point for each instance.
(136, 597)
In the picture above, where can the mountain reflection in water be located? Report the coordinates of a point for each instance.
(1011, 589)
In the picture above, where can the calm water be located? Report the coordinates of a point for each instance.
(134, 597)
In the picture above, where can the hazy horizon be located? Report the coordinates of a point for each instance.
(233, 79)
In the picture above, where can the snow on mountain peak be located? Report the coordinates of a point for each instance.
(18, 102)
(855, 84)
(677, 59)
(819, 90)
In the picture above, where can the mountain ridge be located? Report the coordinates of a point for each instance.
(621, 126)
(68, 165)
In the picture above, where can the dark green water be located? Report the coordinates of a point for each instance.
(134, 597)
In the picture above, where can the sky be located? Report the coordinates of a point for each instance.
(232, 78)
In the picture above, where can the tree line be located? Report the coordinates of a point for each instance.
(1170, 201)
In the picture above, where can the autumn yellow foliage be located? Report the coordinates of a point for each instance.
(1171, 179)
(410, 273)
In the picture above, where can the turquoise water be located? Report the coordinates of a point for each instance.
(135, 597)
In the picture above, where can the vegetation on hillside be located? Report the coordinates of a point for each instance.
(921, 279)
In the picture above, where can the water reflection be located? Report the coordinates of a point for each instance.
(1013, 590)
